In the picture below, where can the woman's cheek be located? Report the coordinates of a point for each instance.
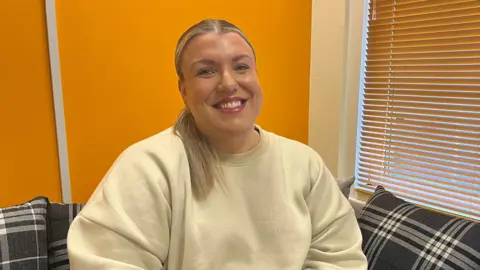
(201, 91)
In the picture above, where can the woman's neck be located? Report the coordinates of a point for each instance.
(236, 144)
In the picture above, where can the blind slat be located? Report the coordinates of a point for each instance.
(386, 131)
(425, 99)
(425, 85)
(442, 30)
(387, 141)
(419, 167)
(419, 111)
(392, 81)
(439, 15)
(409, 21)
(449, 107)
(423, 162)
(438, 185)
(433, 23)
(425, 62)
(437, 119)
(424, 68)
(426, 157)
(424, 55)
(421, 120)
(419, 139)
(422, 37)
(425, 93)
(413, 124)
(422, 130)
(468, 155)
(435, 9)
(417, 150)
(449, 41)
(448, 48)
(423, 74)
(415, 4)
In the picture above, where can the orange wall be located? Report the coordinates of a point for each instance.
(119, 80)
(28, 159)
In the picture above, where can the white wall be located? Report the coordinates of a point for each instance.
(336, 58)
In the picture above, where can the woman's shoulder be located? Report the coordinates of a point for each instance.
(293, 147)
(297, 153)
(165, 141)
(146, 166)
(298, 158)
(164, 147)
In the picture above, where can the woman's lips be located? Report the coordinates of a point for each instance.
(231, 106)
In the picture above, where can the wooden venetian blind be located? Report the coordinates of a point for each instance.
(420, 114)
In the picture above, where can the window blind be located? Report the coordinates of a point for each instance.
(419, 133)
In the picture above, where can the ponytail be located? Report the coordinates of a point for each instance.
(202, 158)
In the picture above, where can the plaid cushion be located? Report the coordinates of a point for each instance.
(23, 236)
(400, 235)
(60, 217)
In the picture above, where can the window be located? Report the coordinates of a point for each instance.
(419, 122)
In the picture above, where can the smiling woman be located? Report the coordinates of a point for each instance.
(215, 64)
(217, 191)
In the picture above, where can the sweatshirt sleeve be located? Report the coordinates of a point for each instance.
(336, 238)
(126, 223)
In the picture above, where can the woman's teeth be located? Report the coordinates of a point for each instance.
(231, 105)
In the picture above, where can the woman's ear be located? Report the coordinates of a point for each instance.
(181, 88)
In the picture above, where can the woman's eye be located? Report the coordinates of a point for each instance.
(205, 71)
(241, 67)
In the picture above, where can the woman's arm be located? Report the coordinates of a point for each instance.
(336, 237)
(126, 223)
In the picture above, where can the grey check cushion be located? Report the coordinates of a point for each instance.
(23, 236)
(60, 217)
(402, 236)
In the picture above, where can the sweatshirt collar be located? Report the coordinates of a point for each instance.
(249, 156)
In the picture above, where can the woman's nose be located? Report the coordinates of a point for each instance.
(228, 82)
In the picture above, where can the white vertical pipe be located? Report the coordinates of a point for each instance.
(56, 77)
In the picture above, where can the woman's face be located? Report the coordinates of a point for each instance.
(220, 86)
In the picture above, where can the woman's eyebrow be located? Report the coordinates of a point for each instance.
(211, 62)
(204, 61)
(239, 57)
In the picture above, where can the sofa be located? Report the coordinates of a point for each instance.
(33, 235)
(397, 235)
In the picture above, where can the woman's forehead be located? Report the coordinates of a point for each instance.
(212, 44)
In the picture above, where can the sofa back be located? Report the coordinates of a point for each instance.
(60, 216)
(40, 228)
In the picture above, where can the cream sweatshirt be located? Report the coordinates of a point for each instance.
(281, 209)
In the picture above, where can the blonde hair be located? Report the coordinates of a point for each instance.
(205, 171)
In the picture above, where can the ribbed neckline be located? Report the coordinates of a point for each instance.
(246, 157)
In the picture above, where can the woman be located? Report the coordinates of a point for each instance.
(216, 191)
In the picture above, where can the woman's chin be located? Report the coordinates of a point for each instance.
(233, 128)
